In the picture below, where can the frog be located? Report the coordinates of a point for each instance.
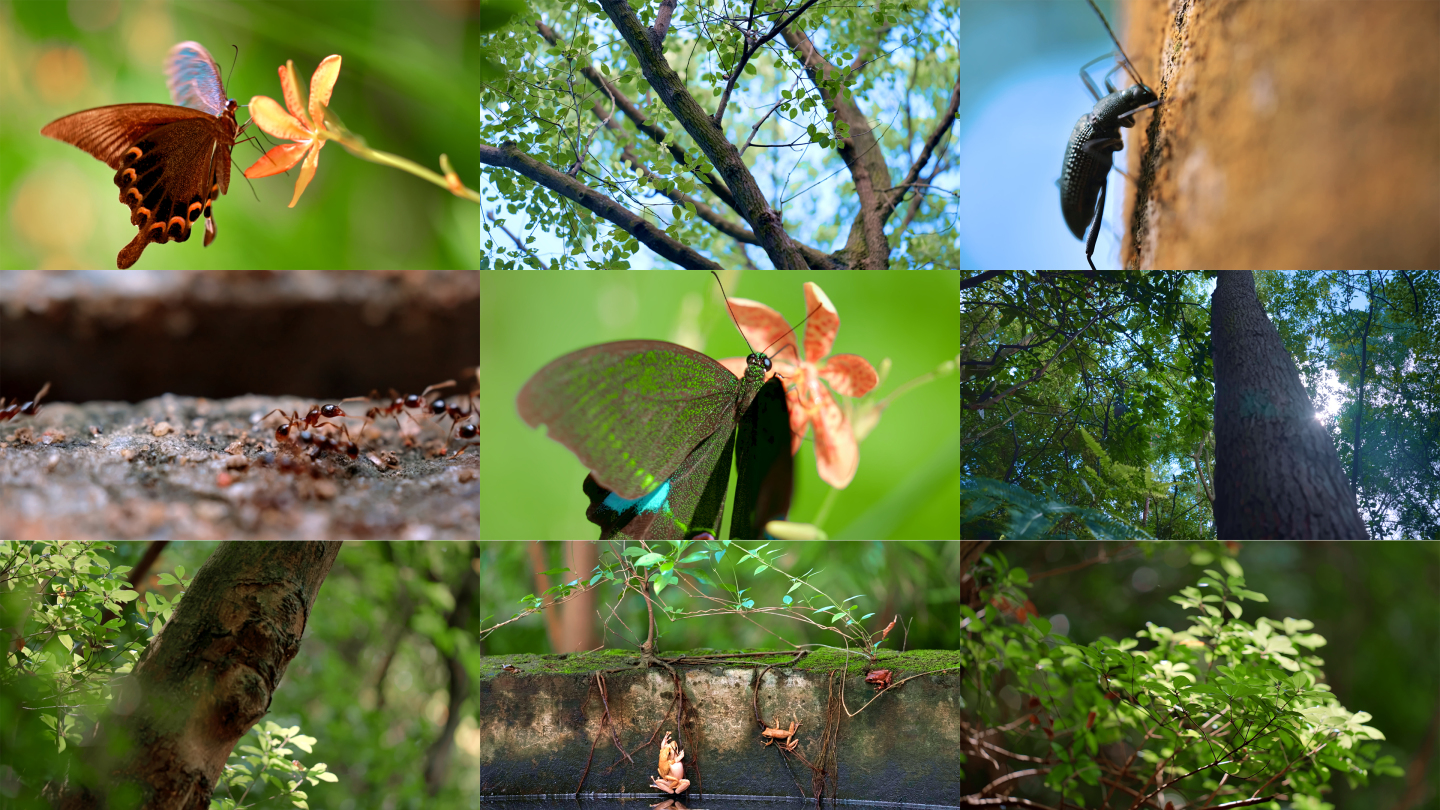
(672, 770)
(779, 735)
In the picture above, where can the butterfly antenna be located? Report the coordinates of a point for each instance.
(732, 314)
(792, 344)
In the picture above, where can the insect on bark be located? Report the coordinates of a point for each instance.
(1094, 141)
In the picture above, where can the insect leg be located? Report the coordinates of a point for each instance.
(1089, 82)
(1095, 227)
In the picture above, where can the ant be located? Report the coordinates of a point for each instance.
(456, 413)
(8, 412)
(467, 431)
(322, 442)
(399, 403)
(312, 419)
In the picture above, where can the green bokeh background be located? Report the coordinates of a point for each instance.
(409, 84)
(908, 483)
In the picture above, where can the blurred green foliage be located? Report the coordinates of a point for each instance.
(907, 482)
(917, 580)
(369, 685)
(1375, 604)
(1229, 704)
(409, 84)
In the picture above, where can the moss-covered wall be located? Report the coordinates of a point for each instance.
(540, 719)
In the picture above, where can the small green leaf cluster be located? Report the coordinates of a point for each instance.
(53, 595)
(1221, 711)
(661, 570)
(266, 764)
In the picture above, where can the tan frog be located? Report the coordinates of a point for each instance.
(672, 770)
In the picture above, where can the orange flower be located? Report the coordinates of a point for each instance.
(837, 454)
(307, 130)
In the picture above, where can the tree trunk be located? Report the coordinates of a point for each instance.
(1288, 135)
(1277, 475)
(1360, 398)
(204, 681)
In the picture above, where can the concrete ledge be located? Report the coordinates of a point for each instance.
(538, 722)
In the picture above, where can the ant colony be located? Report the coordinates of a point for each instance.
(310, 437)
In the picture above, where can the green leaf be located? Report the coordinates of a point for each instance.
(124, 596)
(649, 559)
(327, 777)
(304, 743)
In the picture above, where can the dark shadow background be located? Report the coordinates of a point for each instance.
(130, 335)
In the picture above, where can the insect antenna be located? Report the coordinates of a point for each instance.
(1129, 67)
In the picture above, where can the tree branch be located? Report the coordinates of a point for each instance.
(509, 156)
(867, 244)
(783, 251)
(947, 119)
(749, 51)
(656, 134)
(667, 187)
(662, 24)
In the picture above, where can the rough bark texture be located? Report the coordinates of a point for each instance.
(1289, 135)
(1277, 475)
(205, 680)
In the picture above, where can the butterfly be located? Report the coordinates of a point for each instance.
(656, 424)
(171, 162)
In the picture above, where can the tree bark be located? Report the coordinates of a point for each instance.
(1255, 158)
(1360, 397)
(1277, 475)
(204, 681)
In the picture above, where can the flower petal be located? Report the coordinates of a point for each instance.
(837, 456)
(823, 323)
(277, 160)
(850, 375)
(799, 419)
(267, 114)
(307, 171)
(322, 83)
(763, 328)
(290, 86)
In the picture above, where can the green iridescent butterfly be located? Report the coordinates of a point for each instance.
(657, 425)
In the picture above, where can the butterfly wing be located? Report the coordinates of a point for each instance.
(686, 504)
(194, 79)
(765, 470)
(632, 410)
(691, 501)
(107, 133)
(172, 163)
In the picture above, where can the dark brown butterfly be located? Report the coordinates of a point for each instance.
(171, 162)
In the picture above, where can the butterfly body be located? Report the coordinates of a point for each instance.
(655, 423)
(172, 162)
